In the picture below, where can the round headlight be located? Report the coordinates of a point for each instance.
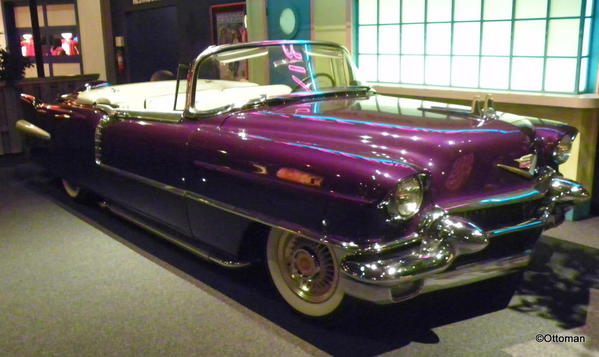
(561, 153)
(406, 200)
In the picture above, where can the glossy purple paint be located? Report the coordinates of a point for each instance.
(360, 145)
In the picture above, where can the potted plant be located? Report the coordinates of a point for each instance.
(12, 66)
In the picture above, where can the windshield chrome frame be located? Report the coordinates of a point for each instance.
(190, 110)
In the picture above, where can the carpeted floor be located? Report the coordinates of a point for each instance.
(78, 281)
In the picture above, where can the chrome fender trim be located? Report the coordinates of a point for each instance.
(443, 239)
(27, 128)
(567, 191)
(466, 274)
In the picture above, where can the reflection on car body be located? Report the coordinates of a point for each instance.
(353, 193)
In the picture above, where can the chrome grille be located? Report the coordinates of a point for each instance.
(502, 216)
(501, 247)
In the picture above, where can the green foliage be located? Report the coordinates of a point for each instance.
(12, 66)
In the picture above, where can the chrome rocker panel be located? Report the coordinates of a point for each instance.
(393, 274)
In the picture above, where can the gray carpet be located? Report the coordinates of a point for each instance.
(76, 281)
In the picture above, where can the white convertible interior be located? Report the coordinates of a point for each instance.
(160, 96)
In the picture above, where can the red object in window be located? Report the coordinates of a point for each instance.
(27, 48)
(70, 46)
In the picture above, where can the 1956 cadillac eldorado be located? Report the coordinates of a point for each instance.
(376, 197)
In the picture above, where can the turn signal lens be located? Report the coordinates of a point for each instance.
(561, 153)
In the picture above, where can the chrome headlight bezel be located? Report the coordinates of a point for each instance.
(406, 199)
(561, 152)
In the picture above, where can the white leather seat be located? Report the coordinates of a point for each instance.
(159, 96)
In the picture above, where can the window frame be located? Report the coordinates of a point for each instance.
(580, 86)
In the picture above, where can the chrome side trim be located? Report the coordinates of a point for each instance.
(144, 180)
(27, 128)
(173, 117)
(220, 205)
(194, 250)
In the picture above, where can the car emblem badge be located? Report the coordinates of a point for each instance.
(527, 166)
(527, 161)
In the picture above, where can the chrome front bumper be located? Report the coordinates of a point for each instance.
(421, 262)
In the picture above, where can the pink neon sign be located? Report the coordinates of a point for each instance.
(295, 57)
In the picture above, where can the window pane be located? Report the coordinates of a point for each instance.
(413, 10)
(560, 75)
(439, 10)
(438, 39)
(368, 67)
(367, 12)
(61, 15)
(466, 38)
(389, 69)
(389, 39)
(31, 72)
(531, 9)
(467, 10)
(587, 36)
(412, 69)
(527, 73)
(412, 39)
(561, 8)
(582, 85)
(437, 70)
(369, 104)
(563, 37)
(388, 104)
(23, 18)
(66, 69)
(389, 11)
(410, 106)
(494, 72)
(367, 39)
(529, 38)
(496, 38)
(464, 72)
(498, 9)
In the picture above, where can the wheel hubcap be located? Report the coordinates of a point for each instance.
(309, 268)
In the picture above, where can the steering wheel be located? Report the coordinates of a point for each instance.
(316, 75)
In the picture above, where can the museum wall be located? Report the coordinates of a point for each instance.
(2, 34)
(94, 47)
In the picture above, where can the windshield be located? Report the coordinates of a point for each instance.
(241, 75)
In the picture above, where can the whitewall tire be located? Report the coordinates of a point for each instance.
(305, 272)
(72, 190)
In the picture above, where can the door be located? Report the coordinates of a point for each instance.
(146, 158)
(152, 42)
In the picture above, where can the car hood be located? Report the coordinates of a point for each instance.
(397, 138)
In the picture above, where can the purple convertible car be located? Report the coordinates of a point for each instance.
(276, 150)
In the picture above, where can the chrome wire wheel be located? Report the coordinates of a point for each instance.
(305, 273)
(309, 267)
